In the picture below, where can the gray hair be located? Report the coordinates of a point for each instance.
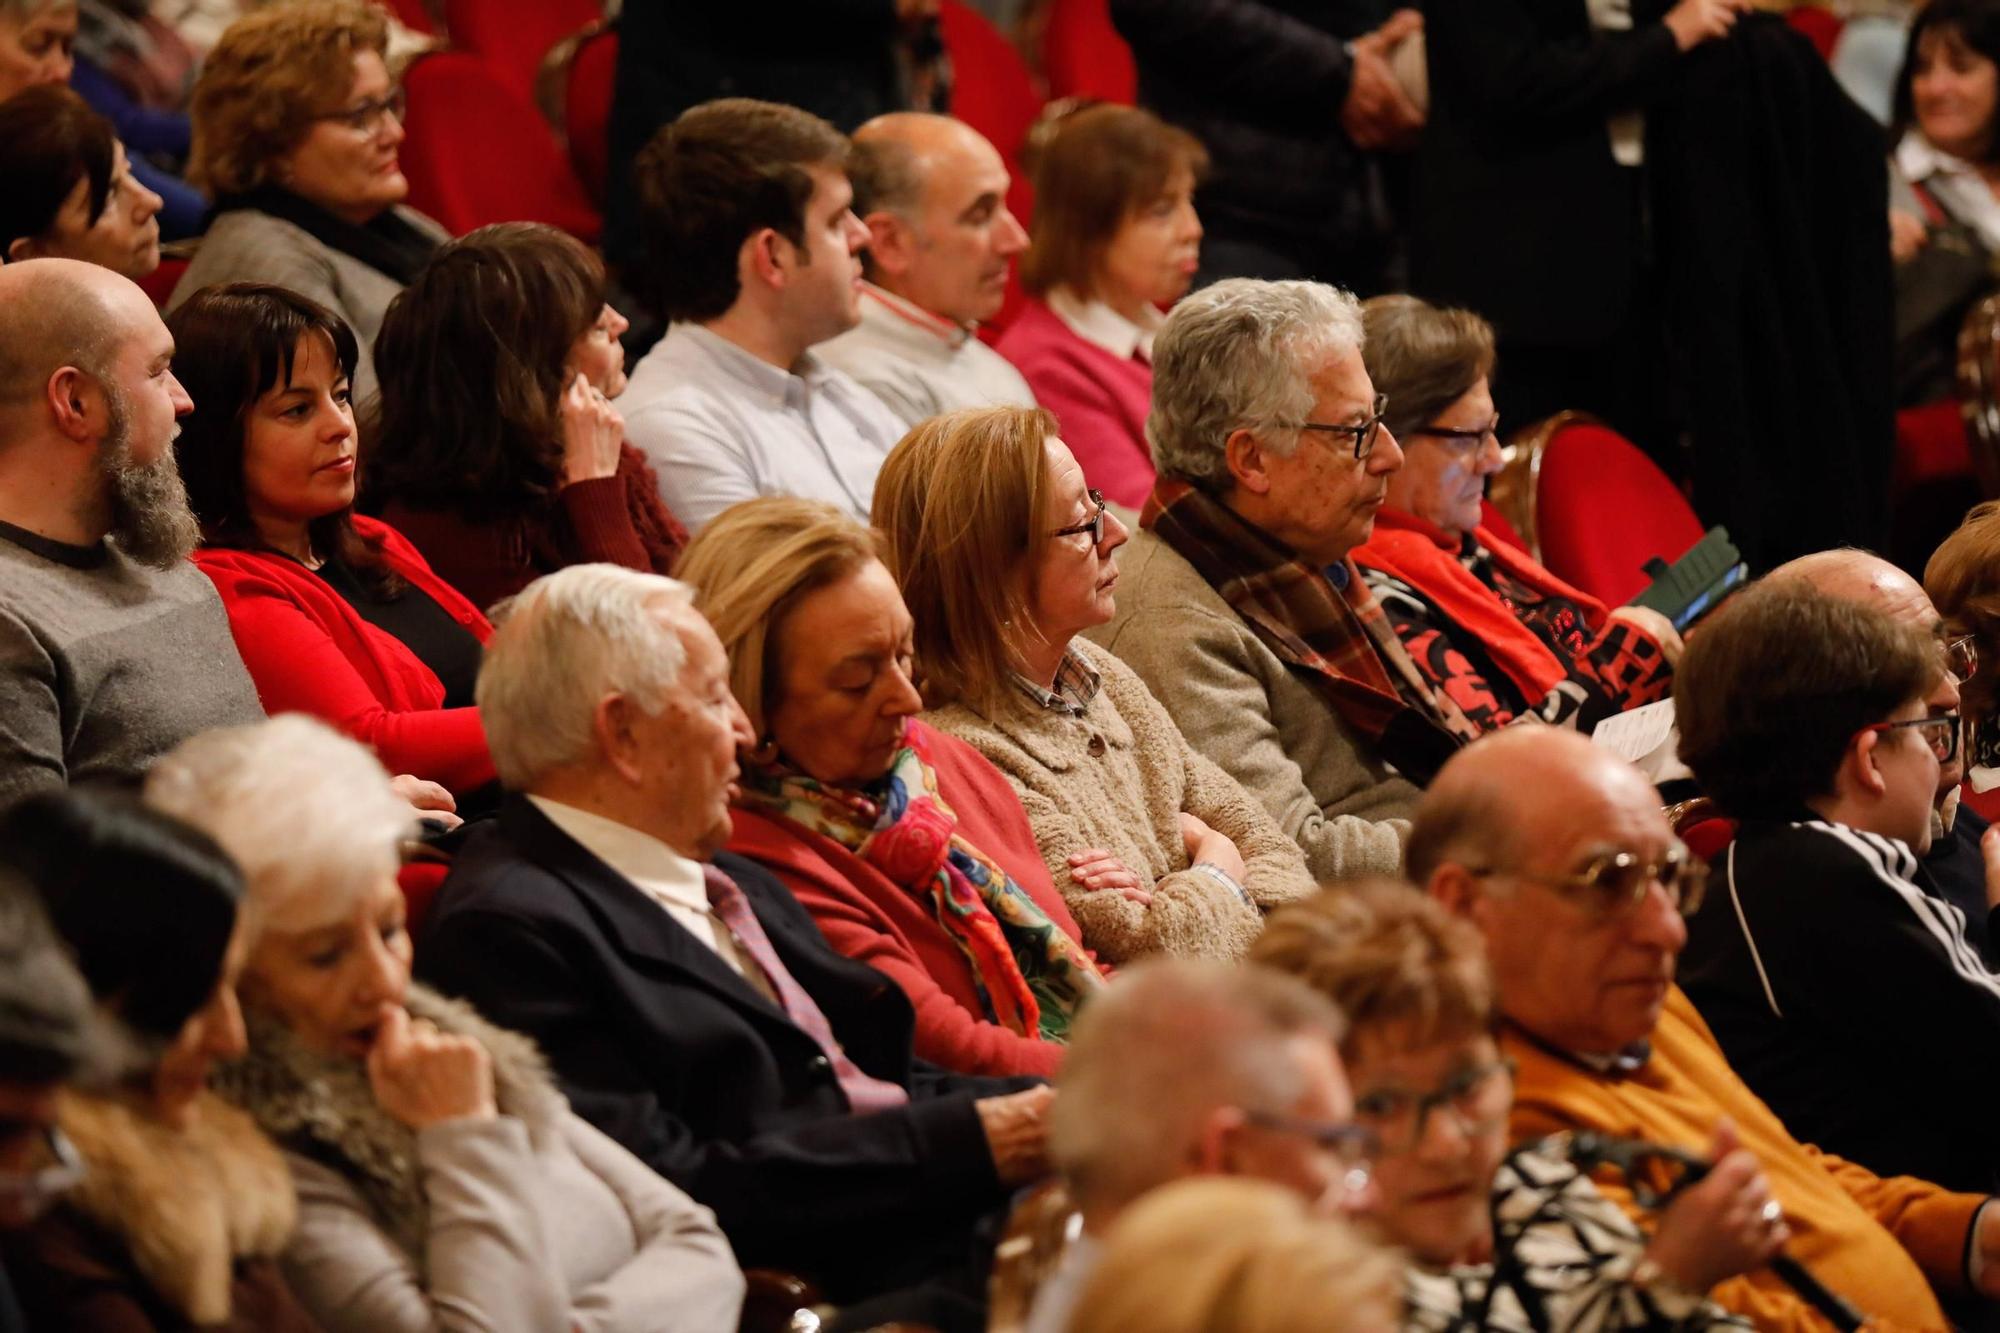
(1169, 1042)
(1239, 355)
(306, 813)
(561, 646)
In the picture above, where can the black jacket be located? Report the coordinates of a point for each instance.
(1260, 83)
(1842, 989)
(663, 1047)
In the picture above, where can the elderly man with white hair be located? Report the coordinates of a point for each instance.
(1238, 604)
(690, 1007)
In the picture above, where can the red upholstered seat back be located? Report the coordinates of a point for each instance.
(477, 153)
(1820, 25)
(160, 283)
(993, 92)
(1083, 55)
(587, 101)
(1602, 508)
(512, 36)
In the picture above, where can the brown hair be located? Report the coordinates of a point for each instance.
(272, 73)
(1425, 358)
(1099, 167)
(49, 140)
(752, 565)
(1963, 580)
(960, 503)
(1778, 682)
(1387, 955)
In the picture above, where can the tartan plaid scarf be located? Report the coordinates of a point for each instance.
(1338, 638)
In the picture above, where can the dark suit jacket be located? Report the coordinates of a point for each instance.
(1521, 214)
(663, 1047)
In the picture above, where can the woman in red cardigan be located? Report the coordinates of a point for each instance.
(335, 614)
(908, 848)
(1115, 238)
(497, 451)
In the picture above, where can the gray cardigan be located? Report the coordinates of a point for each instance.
(245, 245)
(1237, 703)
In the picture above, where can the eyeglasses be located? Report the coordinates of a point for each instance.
(1462, 438)
(28, 1194)
(1477, 1098)
(1939, 732)
(1614, 883)
(1357, 1146)
(1364, 434)
(1095, 525)
(364, 118)
(1961, 656)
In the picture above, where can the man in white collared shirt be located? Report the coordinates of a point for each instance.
(752, 249)
(933, 195)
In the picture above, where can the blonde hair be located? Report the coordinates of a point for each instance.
(271, 74)
(306, 813)
(1387, 955)
(1226, 1254)
(962, 503)
(752, 565)
(1963, 582)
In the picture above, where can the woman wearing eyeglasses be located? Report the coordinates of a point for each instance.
(1484, 623)
(1005, 557)
(296, 127)
(1512, 1241)
(177, 1206)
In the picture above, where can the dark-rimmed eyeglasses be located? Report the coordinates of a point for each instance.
(1613, 883)
(1356, 1146)
(1477, 1098)
(1940, 732)
(1461, 437)
(1364, 434)
(364, 117)
(1961, 656)
(1094, 525)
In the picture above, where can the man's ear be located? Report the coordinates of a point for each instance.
(612, 723)
(764, 258)
(1456, 889)
(892, 242)
(1859, 771)
(1245, 456)
(1213, 1151)
(21, 247)
(76, 403)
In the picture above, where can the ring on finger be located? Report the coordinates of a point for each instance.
(1771, 1214)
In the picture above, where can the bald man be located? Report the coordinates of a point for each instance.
(933, 193)
(1558, 852)
(113, 647)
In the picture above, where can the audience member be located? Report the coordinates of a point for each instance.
(1942, 128)
(1486, 625)
(751, 254)
(909, 849)
(1005, 558)
(296, 126)
(1296, 193)
(1814, 721)
(183, 1206)
(688, 1005)
(112, 647)
(1241, 609)
(1235, 1256)
(933, 194)
(1558, 851)
(138, 72)
(495, 449)
(71, 191)
(335, 614)
(1963, 581)
(1496, 1240)
(441, 1177)
(1115, 238)
(1187, 1068)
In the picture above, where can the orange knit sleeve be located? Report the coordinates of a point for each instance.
(1927, 1220)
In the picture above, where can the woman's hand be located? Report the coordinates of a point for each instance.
(593, 433)
(1907, 235)
(1205, 844)
(1693, 22)
(429, 799)
(1095, 868)
(1719, 1228)
(423, 1077)
(1655, 627)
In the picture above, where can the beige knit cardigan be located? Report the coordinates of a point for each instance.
(1118, 778)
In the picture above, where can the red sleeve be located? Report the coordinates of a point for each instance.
(597, 525)
(483, 561)
(298, 668)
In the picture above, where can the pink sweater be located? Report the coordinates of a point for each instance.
(1100, 401)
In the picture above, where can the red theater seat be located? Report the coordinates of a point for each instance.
(1083, 55)
(513, 36)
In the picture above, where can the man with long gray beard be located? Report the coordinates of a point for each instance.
(113, 647)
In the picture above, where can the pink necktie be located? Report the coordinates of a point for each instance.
(864, 1091)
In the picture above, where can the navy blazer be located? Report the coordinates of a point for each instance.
(661, 1045)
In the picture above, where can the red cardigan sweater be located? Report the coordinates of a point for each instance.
(872, 920)
(310, 652)
(616, 520)
(1100, 401)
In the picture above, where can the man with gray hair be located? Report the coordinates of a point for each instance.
(113, 647)
(690, 1007)
(1238, 603)
(1189, 1067)
(933, 194)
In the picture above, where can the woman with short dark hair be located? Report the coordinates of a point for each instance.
(70, 191)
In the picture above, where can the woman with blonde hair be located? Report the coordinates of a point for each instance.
(1005, 557)
(1962, 580)
(910, 850)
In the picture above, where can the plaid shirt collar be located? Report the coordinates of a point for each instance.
(1076, 685)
